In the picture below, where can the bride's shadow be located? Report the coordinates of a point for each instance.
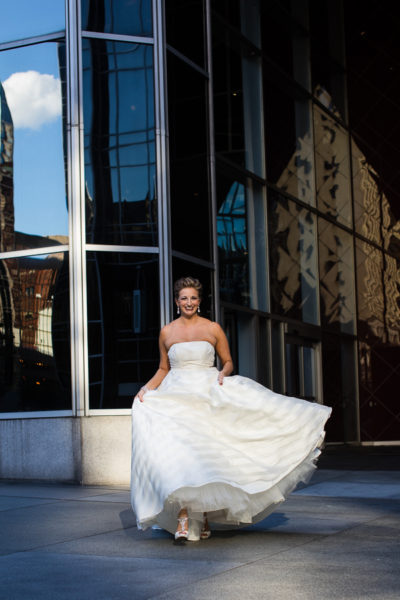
(266, 525)
(270, 523)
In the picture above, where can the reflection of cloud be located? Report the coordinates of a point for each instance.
(33, 98)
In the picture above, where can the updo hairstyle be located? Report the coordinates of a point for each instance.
(187, 282)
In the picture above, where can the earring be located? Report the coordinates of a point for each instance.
(198, 309)
(178, 312)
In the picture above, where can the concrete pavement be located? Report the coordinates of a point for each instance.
(336, 538)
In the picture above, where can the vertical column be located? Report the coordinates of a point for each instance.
(211, 146)
(162, 161)
(77, 275)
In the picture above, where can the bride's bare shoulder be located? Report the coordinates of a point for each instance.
(165, 331)
(215, 326)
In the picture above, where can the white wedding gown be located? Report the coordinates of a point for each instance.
(234, 451)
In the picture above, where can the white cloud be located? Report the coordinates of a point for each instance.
(33, 98)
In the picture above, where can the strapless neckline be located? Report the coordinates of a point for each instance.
(191, 342)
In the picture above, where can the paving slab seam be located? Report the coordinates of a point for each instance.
(79, 499)
(28, 506)
(84, 537)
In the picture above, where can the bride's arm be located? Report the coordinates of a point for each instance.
(222, 348)
(161, 372)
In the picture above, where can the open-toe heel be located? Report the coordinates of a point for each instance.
(182, 532)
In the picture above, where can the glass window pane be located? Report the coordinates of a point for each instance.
(289, 143)
(189, 180)
(293, 259)
(32, 147)
(263, 352)
(339, 367)
(185, 28)
(370, 294)
(241, 230)
(285, 40)
(378, 284)
(367, 197)
(39, 17)
(121, 206)
(277, 356)
(232, 242)
(332, 165)
(228, 95)
(329, 83)
(336, 266)
(309, 373)
(229, 10)
(391, 282)
(34, 334)
(326, 25)
(327, 55)
(238, 100)
(379, 382)
(292, 363)
(376, 211)
(123, 324)
(126, 17)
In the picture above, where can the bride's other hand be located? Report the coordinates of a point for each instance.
(141, 393)
(220, 378)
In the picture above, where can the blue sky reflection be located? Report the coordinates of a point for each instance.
(31, 80)
(39, 17)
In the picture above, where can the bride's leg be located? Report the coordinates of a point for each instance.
(182, 529)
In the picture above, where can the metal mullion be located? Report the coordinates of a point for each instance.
(38, 39)
(187, 61)
(165, 270)
(193, 259)
(300, 350)
(117, 37)
(35, 251)
(122, 248)
(356, 346)
(76, 215)
(211, 166)
(38, 414)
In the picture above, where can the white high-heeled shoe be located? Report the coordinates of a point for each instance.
(182, 532)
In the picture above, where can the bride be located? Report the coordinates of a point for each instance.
(208, 447)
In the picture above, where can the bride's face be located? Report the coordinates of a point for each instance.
(188, 301)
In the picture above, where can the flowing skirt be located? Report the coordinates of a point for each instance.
(234, 451)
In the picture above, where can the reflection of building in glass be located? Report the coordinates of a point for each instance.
(6, 175)
(121, 208)
(31, 361)
(232, 245)
(119, 143)
(28, 289)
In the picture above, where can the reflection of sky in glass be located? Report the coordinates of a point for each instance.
(39, 183)
(231, 220)
(130, 17)
(39, 17)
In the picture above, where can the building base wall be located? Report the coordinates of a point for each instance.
(88, 450)
(106, 450)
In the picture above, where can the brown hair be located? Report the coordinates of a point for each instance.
(187, 282)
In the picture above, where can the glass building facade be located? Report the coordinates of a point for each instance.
(250, 143)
